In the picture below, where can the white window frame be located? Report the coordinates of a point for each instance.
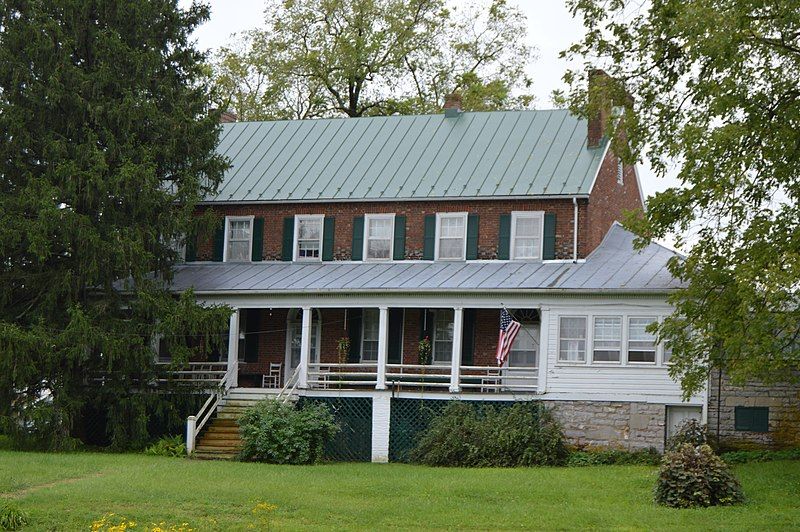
(586, 339)
(656, 347)
(363, 329)
(367, 219)
(516, 215)
(439, 217)
(296, 247)
(228, 220)
(621, 338)
(435, 330)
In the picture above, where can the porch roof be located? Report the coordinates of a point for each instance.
(613, 267)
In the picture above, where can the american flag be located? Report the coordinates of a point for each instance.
(508, 331)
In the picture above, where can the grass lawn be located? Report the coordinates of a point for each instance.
(69, 491)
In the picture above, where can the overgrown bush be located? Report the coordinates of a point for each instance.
(696, 477)
(279, 433)
(470, 435)
(691, 431)
(172, 446)
(743, 457)
(591, 457)
(12, 517)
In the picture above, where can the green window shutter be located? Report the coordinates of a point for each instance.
(468, 337)
(504, 242)
(751, 418)
(287, 246)
(472, 236)
(191, 248)
(395, 355)
(358, 238)
(354, 317)
(430, 237)
(328, 232)
(258, 239)
(251, 328)
(399, 252)
(549, 245)
(217, 251)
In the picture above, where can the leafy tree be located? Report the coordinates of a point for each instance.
(717, 96)
(105, 148)
(374, 57)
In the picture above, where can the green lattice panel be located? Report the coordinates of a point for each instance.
(353, 443)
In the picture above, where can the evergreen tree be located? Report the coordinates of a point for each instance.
(105, 148)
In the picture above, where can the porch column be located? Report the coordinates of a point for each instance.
(455, 368)
(305, 349)
(544, 349)
(233, 351)
(383, 347)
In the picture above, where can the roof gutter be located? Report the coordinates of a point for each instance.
(392, 199)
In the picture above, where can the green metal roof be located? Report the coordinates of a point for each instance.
(474, 155)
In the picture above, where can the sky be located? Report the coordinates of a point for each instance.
(551, 29)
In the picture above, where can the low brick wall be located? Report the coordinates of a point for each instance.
(612, 424)
(783, 401)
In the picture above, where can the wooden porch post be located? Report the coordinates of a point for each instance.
(305, 348)
(544, 349)
(455, 368)
(233, 351)
(383, 347)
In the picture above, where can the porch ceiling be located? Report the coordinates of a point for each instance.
(613, 267)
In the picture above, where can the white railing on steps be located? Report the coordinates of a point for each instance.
(290, 386)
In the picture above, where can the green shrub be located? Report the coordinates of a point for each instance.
(470, 435)
(171, 446)
(279, 433)
(696, 477)
(743, 457)
(591, 457)
(691, 431)
(12, 517)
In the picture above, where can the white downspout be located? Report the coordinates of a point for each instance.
(575, 230)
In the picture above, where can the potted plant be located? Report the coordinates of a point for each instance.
(343, 349)
(424, 351)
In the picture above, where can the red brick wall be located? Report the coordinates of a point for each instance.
(608, 201)
(415, 211)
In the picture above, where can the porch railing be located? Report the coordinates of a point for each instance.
(498, 379)
(418, 375)
(327, 376)
(194, 424)
(198, 372)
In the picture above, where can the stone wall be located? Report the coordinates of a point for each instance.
(612, 424)
(783, 401)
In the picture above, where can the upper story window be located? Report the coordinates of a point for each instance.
(238, 238)
(641, 343)
(607, 339)
(369, 335)
(572, 339)
(443, 337)
(527, 235)
(620, 172)
(308, 237)
(451, 236)
(378, 236)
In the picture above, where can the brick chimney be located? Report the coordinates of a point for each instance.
(452, 105)
(597, 122)
(227, 117)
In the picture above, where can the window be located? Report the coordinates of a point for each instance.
(369, 335)
(607, 340)
(620, 172)
(238, 239)
(451, 236)
(667, 352)
(751, 418)
(308, 237)
(572, 339)
(524, 352)
(641, 344)
(378, 236)
(443, 337)
(526, 235)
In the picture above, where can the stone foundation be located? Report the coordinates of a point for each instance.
(783, 401)
(612, 424)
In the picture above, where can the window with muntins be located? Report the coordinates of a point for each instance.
(607, 341)
(451, 238)
(525, 349)
(572, 339)
(378, 236)
(238, 239)
(369, 335)
(443, 337)
(308, 237)
(526, 235)
(641, 344)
